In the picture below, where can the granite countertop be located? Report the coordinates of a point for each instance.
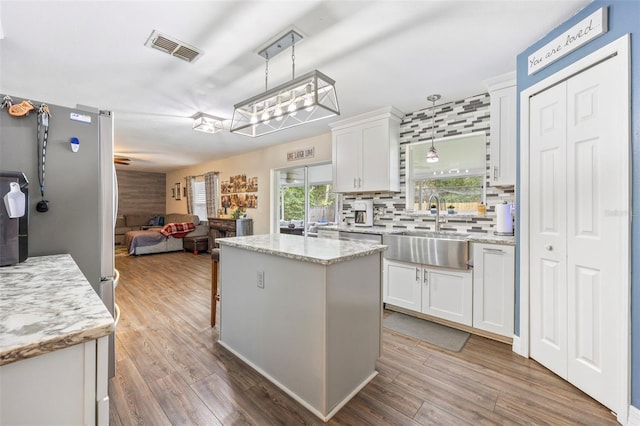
(315, 250)
(381, 230)
(46, 303)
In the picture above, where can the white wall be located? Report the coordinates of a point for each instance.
(255, 163)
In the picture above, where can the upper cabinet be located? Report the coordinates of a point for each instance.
(366, 152)
(503, 93)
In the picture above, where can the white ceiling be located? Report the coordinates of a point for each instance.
(379, 52)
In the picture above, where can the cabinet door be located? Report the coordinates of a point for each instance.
(347, 154)
(374, 168)
(59, 387)
(494, 288)
(448, 294)
(402, 284)
(503, 136)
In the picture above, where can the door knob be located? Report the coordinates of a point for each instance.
(549, 247)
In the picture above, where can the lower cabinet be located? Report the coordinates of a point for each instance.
(440, 292)
(448, 294)
(402, 284)
(494, 288)
(66, 387)
(483, 299)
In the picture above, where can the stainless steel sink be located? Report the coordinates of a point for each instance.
(428, 248)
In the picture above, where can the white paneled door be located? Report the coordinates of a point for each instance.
(578, 151)
(548, 114)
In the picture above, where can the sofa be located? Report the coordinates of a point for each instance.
(140, 221)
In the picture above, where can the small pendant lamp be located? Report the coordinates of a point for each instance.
(432, 154)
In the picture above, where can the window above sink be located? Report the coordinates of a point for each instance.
(458, 178)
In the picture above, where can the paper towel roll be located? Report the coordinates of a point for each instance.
(504, 218)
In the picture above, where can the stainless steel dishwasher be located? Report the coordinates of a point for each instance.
(361, 237)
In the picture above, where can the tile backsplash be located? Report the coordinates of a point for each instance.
(454, 118)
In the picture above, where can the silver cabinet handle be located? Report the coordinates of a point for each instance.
(425, 275)
(496, 173)
(417, 274)
(354, 183)
(359, 182)
(549, 247)
(490, 250)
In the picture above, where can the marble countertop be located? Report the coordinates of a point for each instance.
(315, 250)
(472, 237)
(46, 303)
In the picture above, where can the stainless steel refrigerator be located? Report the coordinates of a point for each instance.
(79, 186)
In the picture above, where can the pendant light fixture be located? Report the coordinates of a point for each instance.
(304, 99)
(432, 154)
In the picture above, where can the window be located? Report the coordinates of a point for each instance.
(305, 210)
(458, 178)
(199, 198)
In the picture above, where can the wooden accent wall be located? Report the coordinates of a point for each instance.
(141, 192)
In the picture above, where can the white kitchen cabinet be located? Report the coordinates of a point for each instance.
(402, 284)
(67, 386)
(448, 294)
(503, 122)
(366, 152)
(494, 288)
(439, 292)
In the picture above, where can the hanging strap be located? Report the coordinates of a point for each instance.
(43, 123)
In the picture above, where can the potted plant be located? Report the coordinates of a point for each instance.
(433, 208)
(452, 209)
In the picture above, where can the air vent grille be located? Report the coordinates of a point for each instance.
(173, 46)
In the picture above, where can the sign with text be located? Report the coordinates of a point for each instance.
(583, 32)
(300, 154)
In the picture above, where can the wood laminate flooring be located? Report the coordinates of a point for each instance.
(171, 371)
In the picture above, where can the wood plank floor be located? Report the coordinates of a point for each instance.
(171, 371)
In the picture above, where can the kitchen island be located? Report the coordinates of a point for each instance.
(53, 345)
(304, 312)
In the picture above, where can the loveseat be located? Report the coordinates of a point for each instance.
(140, 221)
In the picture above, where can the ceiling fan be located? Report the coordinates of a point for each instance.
(121, 160)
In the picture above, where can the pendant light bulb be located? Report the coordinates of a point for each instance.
(254, 116)
(308, 98)
(265, 113)
(293, 106)
(277, 112)
(432, 154)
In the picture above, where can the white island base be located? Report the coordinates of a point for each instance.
(314, 329)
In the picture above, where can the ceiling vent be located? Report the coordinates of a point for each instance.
(173, 46)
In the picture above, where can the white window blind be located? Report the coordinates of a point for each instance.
(199, 199)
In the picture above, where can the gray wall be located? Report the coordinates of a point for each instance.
(141, 192)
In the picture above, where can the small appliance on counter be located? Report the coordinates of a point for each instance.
(504, 217)
(14, 218)
(363, 212)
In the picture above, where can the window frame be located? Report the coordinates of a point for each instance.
(410, 181)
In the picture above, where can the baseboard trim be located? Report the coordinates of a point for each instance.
(516, 347)
(634, 416)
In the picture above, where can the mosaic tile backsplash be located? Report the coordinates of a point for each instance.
(454, 118)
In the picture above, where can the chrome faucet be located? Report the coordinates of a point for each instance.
(437, 209)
